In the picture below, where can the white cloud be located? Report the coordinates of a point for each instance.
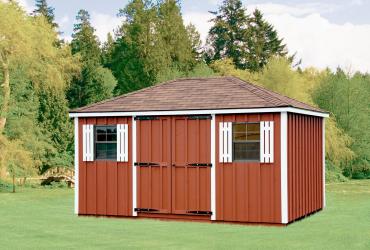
(104, 23)
(317, 41)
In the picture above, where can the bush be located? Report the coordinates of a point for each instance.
(333, 173)
(359, 169)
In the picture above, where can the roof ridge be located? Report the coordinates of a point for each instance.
(252, 88)
(278, 95)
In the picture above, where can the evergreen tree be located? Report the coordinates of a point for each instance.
(90, 86)
(263, 42)
(248, 40)
(43, 9)
(174, 35)
(139, 53)
(107, 50)
(196, 43)
(228, 36)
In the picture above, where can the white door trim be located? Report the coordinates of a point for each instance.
(76, 208)
(213, 168)
(134, 181)
(284, 166)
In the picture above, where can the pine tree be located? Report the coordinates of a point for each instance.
(43, 9)
(95, 83)
(174, 35)
(248, 40)
(227, 37)
(195, 41)
(107, 50)
(263, 42)
(139, 53)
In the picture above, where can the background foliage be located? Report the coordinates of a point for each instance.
(42, 77)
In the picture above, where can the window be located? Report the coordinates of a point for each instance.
(246, 141)
(106, 142)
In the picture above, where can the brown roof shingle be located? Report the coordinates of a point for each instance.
(197, 94)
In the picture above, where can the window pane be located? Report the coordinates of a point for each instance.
(101, 151)
(111, 130)
(111, 137)
(111, 151)
(246, 150)
(100, 130)
(101, 137)
(240, 127)
(253, 130)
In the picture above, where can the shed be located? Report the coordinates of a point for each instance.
(213, 149)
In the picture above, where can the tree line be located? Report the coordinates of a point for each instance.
(42, 76)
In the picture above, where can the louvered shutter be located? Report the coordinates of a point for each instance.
(88, 142)
(122, 142)
(267, 142)
(225, 142)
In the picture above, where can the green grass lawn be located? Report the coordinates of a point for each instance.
(38, 218)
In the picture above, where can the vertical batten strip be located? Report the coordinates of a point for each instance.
(84, 142)
(284, 166)
(271, 142)
(134, 177)
(76, 165)
(213, 169)
(262, 142)
(126, 143)
(92, 142)
(118, 142)
(230, 142)
(221, 142)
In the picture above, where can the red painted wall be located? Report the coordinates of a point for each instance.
(105, 186)
(305, 165)
(249, 191)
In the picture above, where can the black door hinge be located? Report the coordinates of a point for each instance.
(145, 164)
(199, 212)
(200, 164)
(145, 118)
(145, 209)
(200, 117)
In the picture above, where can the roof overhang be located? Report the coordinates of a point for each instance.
(200, 112)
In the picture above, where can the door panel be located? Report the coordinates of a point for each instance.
(154, 164)
(190, 171)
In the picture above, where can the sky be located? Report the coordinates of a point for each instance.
(326, 33)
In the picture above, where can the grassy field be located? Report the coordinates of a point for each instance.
(37, 218)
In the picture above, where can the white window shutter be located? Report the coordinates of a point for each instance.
(225, 142)
(122, 142)
(267, 142)
(88, 142)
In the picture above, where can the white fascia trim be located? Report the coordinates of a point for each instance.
(202, 112)
(213, 168)
(76, 165)
(323, 162)
(134, 181)
(284, 166)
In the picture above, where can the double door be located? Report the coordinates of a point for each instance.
(173, 164)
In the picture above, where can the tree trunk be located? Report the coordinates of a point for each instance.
(6, 93)
(13, 183)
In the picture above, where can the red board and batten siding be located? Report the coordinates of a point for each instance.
(249, 191)
(305, 165)
(105, 185)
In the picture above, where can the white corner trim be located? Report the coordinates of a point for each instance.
(134, 181)
(323, 162)
(201, 112)
(284, 166)
(213, 168)
(76, 165)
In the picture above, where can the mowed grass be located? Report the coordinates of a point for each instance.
(43, 218)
